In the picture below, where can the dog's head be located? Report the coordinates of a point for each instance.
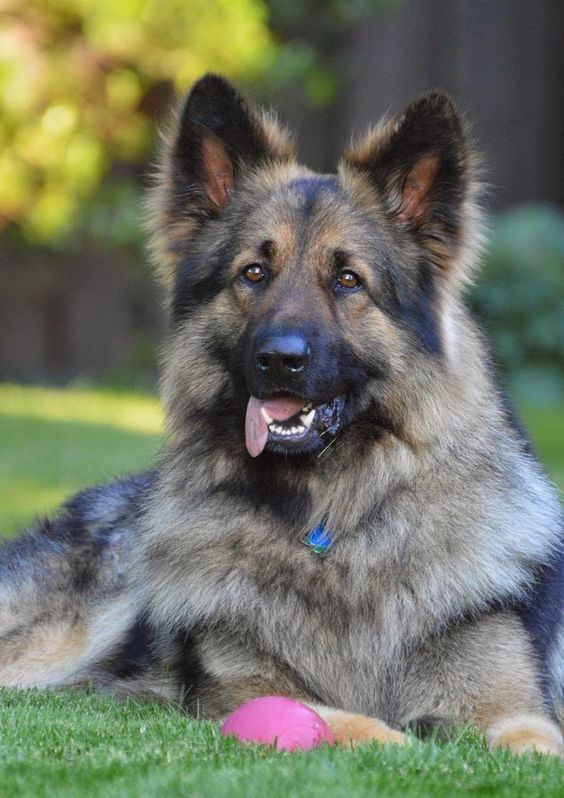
(302, 304)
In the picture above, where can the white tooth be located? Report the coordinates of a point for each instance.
(294, 430)
(279, 430)
(301, 429)
(307, 419)
(266, 416)
(287, 432)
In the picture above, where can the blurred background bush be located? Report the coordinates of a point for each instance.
(521, 300)
(85, 86)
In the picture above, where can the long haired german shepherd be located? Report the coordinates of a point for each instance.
(346, 511)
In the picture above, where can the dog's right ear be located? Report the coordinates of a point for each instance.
(218, 138)
(424, 170)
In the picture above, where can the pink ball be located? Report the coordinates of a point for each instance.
(283, 722)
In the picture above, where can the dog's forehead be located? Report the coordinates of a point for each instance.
(309, 195)
(306, 209)
(307, 191)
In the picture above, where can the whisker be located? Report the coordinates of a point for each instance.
(325, 449)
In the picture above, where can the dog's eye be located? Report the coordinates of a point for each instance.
(348, 279)
(254, 273)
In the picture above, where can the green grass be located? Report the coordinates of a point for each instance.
(54, 442)
(84, 745)
(546, 425)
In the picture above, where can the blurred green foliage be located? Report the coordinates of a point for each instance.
(315, 33)
(82, 83)
(520, 297)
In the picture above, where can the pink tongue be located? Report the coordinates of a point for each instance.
(256, 429)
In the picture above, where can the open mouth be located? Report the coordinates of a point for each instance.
(286, 423)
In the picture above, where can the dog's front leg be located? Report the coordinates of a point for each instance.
(350, 728)
(525, 732)
(485, 673)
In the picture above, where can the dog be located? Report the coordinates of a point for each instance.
(346, 511)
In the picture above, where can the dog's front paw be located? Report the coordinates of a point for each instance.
(351, 729)
(525, 733)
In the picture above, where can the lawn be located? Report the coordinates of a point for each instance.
(61, 745)
(68, 746)
(55, 442)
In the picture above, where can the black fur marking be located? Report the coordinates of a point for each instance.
(510, 413)
(201, 278)
(135, 655)
(541, 612)
(262, 489)
(333, 369)
(105, 507)
(79, 545)
(266, 249)
(66, 542)
(415, 310)
(194, 286)
(220, 422)
(431, 727)
(188, 669)
(311, 187)
(219, 349)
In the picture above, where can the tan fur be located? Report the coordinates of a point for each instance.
(351, 729)
(59, 648)
(524, 733)
(221, 178)
(417, 189)
(280, 140)
(46, 655)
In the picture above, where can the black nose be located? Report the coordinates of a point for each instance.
(283, 355)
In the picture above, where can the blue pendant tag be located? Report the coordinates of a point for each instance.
(320, 539)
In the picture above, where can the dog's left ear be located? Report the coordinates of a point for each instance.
(424, 170)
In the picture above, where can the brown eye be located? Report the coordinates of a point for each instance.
(348, 279)
(254, 273)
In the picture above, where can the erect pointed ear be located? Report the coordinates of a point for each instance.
(217, 138)
(424, 170)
